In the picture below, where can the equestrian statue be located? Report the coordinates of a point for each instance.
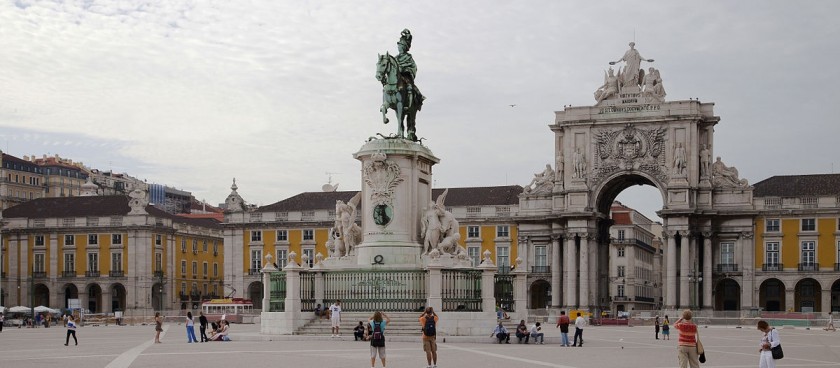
(399, 93)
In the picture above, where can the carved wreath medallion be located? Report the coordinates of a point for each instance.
(628, 149)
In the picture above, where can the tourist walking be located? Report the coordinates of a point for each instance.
(656, 326)
(429, 320)
(666, 329)
(768, 341)
(501, 333)
(687, 345)
(563, 322)
(158, 327)
(202, 326)
(377, 338)
(2, 320)
(580, 323)
(522, 332)
(190, 329)
(335, 318)
(71, 330)
(828, 327)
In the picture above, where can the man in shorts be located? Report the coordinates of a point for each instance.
(335, 318)
(428, 324)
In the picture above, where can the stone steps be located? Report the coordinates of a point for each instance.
(401, 324)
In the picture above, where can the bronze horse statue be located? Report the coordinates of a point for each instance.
(398, 94)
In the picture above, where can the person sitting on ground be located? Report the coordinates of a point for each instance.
(368, 332)
(322, 312)
(522, 332)
(359, 332)
(501, 313)
(222, 335)
(537, 334)
(501, 333)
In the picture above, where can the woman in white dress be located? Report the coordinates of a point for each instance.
(768, 341)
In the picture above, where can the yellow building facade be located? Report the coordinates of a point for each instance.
(100, 254)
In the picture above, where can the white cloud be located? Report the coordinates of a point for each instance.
(277, 93)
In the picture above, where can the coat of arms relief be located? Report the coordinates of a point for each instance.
(629, 149)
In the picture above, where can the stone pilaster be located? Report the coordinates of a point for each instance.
(584, 271)
(570, 273)
(685, 267)
(671, 272)
(555, 271)
(708, 261)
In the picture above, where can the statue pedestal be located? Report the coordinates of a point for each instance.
(396, 188)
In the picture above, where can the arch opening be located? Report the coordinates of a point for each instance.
(94, 295)
(540, 294)
(771, 295)
(255, 293)
(807, 296)
(727, 295)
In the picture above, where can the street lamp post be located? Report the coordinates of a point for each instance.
(695, 278)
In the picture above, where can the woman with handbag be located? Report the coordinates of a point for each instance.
(687, 346)
(769, 342)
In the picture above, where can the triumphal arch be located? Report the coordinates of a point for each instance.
(634, 135)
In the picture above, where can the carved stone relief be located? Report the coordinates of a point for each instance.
(382, 177)
(630, 148)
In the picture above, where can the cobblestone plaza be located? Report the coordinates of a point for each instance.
(131, 346)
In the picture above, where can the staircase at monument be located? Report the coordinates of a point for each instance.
(402, 323)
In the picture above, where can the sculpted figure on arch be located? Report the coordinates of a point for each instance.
(631, 75)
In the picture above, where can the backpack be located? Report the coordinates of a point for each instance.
(429, 327)
(378, 338)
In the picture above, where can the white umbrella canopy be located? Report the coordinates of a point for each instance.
(19, 309)
(2, 309)
(43, 309)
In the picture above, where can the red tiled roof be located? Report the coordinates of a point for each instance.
(798, 185)
(471, 196)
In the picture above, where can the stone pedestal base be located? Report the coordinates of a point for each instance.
(396, 188)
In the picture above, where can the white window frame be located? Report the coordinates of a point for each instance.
(256, 236)
(311, 253)
(93, 264)
(195, 268)
(39, 241)
(116, 261)
(69, 239)
(474, 253)
(256, 259)
(39, 265)
(503, 256)
(802, 224)
(308, 234)
(775, 223)
(158, 239)
(215, 269)
(282, 257)
(69, 261)
(502, 231)
(620, 271)
(621, 234)
(116, 239)
(619, 251)
(803, 256)
(282, 235)
(772, 248)
(727, 257)
(619, 290)
(93, 239)
(183, 245)
(159, 261)
(473, 232)
(204, 269)
(183, 267)
(540, 256)
(195, 246)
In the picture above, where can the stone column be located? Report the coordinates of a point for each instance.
(435, 282)
(825, 306)
(707, 270)
(292, 314)
(266, 281)
(320, 287)
(555, 272)
(584, 271)
(747, 270)
(570, 273)
(488, 281)
(685, 267)
(671, 272)
(520, 290)
(790, 300)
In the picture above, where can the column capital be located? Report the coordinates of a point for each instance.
(708, 234)
(558, 236)
(585, 235)
(746, 235)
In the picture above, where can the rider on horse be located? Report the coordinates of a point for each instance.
(407, 68)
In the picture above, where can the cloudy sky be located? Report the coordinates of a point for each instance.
(279, 93)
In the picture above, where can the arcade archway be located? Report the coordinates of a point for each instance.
(835, 296)
(118, 294)
(157, 296)
(94, 295)
(70, 292)
(771, 295)
(41, 295)
(540, 294)
(727, 295)
(807, 296)
(255, 293)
